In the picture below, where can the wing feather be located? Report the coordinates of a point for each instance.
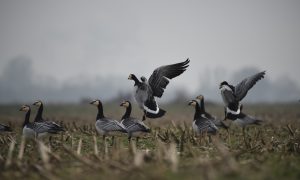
(243, 87)
(160, 77)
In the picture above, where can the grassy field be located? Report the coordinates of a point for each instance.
(171, 151)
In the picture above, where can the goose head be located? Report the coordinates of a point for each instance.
(37, 103)
(25, 108)
(125, 104)
(200, 97)
(193, 103)
(224, 83)
(96, 102)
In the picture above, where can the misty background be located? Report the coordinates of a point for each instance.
(69, 51)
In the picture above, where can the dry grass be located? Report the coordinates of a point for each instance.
(171, 151)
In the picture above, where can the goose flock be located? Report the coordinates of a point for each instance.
(145, 94)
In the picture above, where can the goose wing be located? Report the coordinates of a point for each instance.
(133, 125)
(4, 128)
(42, 127)
(160, 77)
(110, 125)
(54, 125)
(206, 125)
(246, 119)
(243, 87)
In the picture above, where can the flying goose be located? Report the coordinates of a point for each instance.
(232, 95)
(106, 126)
(201, 123)
(35, 130)
(216, 121)
(39, 116)
(133, 126)
(4, 128)
(147, 90)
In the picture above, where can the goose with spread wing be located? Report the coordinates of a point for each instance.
(216, 121)
(232, 95)
(146, 90)
(201, 123)
(134, 127)
(106, 126)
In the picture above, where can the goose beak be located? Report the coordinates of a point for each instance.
(93, 102)
(122, 104)
(190, 103)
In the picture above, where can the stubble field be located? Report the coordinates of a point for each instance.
(170, 151)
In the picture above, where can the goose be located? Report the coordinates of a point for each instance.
(35, 130)
(39, 116)
(133, 126)
(244, 120)
(4, 128)
(146, 90)
(216, 121)
(106, 126)
(232, 95)
(201, 123)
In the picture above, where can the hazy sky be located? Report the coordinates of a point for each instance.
(65, 39)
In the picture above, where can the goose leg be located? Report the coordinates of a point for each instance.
(112, 140)
(245, 140)
(50, 140)
(225, 117)
(137, 140)
(129, 139)
(144, 116)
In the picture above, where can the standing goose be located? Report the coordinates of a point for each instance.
(106, 126)
(39, 116)
(201, 123)
(36, 129)
(133, 126)
(232, 95)
(146, 91)
(4, 128)
(216, 121)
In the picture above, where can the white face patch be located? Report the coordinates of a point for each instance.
(225, 87)
(25, 108)
(199, 97)
(193, 103)
(96, 103)
(126, 104)
(38, 103)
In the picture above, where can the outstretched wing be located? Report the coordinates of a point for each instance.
(243, 87)
(159, 79)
